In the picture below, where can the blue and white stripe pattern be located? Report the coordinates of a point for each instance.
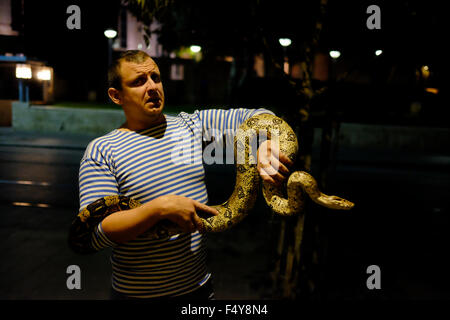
(166, 159)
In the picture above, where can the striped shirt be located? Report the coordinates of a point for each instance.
(165, 159)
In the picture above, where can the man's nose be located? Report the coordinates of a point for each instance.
(151, 85)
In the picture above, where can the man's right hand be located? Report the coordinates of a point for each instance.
(126, 225)
(183, 211)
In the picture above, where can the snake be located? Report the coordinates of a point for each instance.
(285, 200)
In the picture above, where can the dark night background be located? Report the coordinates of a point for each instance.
(412, 35)
(401, 218)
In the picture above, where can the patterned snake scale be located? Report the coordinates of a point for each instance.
(241, 200)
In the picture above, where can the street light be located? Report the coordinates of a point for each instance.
(44, 74)
(110, 34)
(23, 71)
(335, 54)
(195, 48)
(196, 52)
(378, 52)
(285, 42)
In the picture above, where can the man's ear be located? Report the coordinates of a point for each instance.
(115, 96)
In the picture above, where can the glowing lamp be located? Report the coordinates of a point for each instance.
(23, 71)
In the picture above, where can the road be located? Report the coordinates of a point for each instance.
(400, 223)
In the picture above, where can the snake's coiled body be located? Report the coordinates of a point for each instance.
(241, 200)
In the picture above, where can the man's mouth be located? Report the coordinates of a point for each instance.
(155, 101)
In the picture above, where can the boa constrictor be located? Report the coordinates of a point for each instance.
(241, 200)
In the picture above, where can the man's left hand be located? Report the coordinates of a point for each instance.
(272, 164)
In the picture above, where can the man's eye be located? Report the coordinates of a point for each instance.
(156, 77)
(139, 81)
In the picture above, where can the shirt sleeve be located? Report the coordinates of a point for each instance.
(97, 180)
(219, 122)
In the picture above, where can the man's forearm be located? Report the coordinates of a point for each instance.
(126, 225)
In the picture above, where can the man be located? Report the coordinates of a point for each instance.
(136, 160)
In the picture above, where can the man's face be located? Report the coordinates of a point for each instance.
(142, 94)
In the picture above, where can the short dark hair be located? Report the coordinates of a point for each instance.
(114, 78)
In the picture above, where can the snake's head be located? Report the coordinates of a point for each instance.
(334, 202)
(348, 205)
(341, 203)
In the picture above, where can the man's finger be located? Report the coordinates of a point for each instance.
(285, 159)
(274, 148)
(268, 170)
(272, 173)
(203, 207)
(198, 222)
(191, 227)
(275, 167)
(269, 179)
(276, 164)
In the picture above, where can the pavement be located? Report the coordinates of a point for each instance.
(11, 137)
